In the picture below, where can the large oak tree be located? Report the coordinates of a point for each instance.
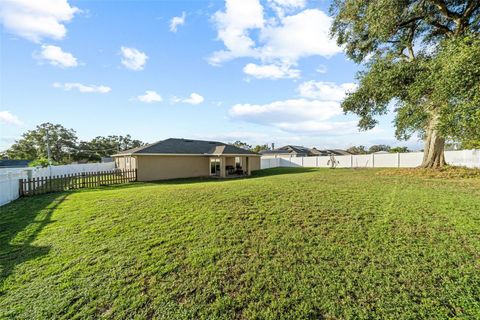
(421, 56)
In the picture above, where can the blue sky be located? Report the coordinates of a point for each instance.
(257, 71)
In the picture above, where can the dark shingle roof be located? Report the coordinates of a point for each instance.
(297, 149)
(274, 152)
(7, 163)
(288, 149)
(187, 146)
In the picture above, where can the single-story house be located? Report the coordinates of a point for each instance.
(300, 151)
(327, 152)
(287, 152)
(184, 158)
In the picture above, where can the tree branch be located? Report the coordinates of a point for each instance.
(409, 21)
(442, 7)
(472, 5)
(442, 28)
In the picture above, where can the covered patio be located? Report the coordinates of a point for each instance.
(230, 166)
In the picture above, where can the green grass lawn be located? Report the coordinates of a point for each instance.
(287, 243)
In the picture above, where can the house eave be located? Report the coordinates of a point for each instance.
(186, 155)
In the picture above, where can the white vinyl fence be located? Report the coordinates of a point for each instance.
(465, 158)
(9, 177)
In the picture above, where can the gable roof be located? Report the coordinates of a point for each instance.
(276, 151)
(187, 147)
(296, 149)
(288, 149)
(12, 163)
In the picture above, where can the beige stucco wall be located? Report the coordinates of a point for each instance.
(230, 161)
(254, 163)
(125, 162)
(151, 168)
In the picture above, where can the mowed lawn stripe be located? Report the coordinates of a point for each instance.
(286, 243)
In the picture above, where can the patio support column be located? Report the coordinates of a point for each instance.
(222, 167)
(248, 165)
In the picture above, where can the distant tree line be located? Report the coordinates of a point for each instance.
(376, 148)
(246, 146)
(63, 147)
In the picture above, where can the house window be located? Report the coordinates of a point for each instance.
(214, 167)
(238, 163)
(127, 161)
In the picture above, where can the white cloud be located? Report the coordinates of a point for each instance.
(9, 118)
(304, 34)
(36, 19)
(296, 116)
(282, 39)
(150, 96)
(56, 56)
(233, 25)
(281, 7)
(177, 21)
(194, 98)
(133, 59)
(271, 71)
(325, 91)
(290, 3)
(293, 110)
(316, 112)
(324, 127)
(82, 87)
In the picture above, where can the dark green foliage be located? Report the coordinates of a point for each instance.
(420, 56)
(470, 144)
(398, 150)
(357, 150)
(378, 147)
(241, 144)
(99, 147)
(259, 148)
(33, 144)
(289, 243)
(42, 162)
(64, 147)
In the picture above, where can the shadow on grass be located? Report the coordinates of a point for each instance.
(20, 223)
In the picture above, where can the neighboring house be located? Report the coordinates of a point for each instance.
(106, 159)
(337, 152)
(299, 151)
(288, 152)
(327, 152)
(184, 158)
(6, 163)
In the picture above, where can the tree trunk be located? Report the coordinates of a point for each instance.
(433, 154)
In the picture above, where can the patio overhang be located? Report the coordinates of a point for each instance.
(224, 166)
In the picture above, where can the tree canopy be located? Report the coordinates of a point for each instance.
(99, 147)
(33, 144)
(64, 145)
(421, 58)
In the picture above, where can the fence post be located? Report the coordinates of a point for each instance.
(20, 187)
(398, 159)
(373, 160)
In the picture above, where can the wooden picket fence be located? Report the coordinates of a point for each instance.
(40, 185)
